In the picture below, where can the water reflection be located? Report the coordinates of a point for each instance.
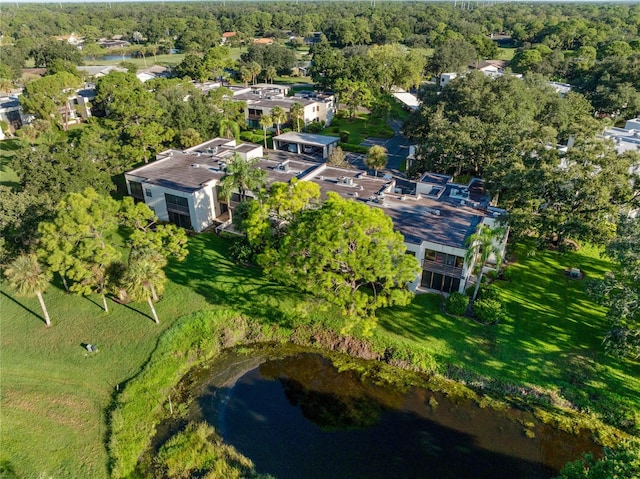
(299, 417)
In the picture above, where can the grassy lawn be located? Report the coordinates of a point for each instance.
(8, 148)
(359, 128)
(507, 53)
(552, 337)
(54, 397)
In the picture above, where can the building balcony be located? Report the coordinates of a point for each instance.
(436, 267)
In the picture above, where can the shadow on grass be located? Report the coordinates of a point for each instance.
(209, 272)
(39, 316)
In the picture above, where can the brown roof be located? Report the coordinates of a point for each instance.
(228, 34)
(263, 41)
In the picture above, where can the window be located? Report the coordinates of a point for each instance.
(148, 192)
(184, 221)
(178, 210)
(439, 282)
(177, 204)
(136, 189)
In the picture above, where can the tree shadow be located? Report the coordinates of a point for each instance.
(126, 305)
(39, 316)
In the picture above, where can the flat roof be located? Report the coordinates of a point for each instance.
(448, 219)
(191, 169)
(307, 138)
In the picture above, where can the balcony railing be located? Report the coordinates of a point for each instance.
(436, 267)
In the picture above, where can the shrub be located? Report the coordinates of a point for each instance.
(457, 303)
(506, 274)
(344, 136)
(315, 127)
(240, 250)
(354, 148)
(488, 310)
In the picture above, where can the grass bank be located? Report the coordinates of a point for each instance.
(551, 339)
(54, 396)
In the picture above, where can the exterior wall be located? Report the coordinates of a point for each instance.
(419, 251)
(203, 203)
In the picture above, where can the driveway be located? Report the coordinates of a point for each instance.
(397, 150)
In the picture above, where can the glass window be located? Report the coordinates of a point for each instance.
(429, 254)
(177, 204)
(136, 189)
(148, 192)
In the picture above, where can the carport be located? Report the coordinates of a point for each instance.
(308, 143)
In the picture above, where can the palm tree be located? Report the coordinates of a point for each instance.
(144, 279)
(246, 75)
(376, 158)
(229, 128)
(279, 116)
(255, 69)
(270, 72)
(297, 113)
(27, 277)
(242, 175)
(482, 244)
(266, 122)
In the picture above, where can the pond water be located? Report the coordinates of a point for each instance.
(299, 417)
(115, 57)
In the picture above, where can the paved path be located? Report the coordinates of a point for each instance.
(397, 148)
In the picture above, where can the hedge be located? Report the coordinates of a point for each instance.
(354, 148)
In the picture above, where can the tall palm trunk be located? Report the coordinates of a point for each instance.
(153, 311)
(478, 281)
(64, 282)
(47, 321)
(104, 302)
(153, 292)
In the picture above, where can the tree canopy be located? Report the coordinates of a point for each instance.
(346, 253)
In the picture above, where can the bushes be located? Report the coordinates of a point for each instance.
(192, 340)
(456, 303)
(488, 310)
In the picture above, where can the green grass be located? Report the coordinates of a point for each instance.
(169, 60)
(552, 337)
(506, 53)
(54, 397)
(8, 147)
(359, 128)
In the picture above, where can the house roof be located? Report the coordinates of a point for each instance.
(228, 34)
(263, 41)
(443, 219)
(307, 138)
(191, 169)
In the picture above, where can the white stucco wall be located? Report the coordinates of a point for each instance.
(203, 207)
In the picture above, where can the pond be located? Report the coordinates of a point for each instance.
(299, 417)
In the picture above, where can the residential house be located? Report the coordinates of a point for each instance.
(226, 36)
(11, 113)
(181, 186)
(263, 41)
(626, 139)
(262, 98)
(435, 215)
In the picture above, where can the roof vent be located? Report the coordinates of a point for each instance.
(195, 165)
